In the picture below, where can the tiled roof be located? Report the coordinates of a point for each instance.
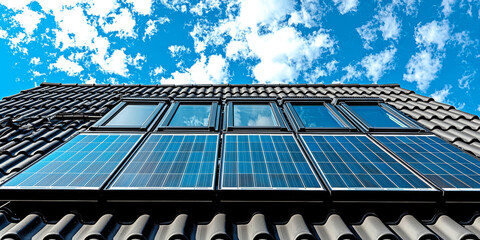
(38, 120)
(296, 226)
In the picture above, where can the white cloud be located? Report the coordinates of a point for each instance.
(37, 74)
(67, 66)
(478, 108)
(266, 12)
(215, 71)
(29, 20)
(157, 71)
(368, 34)
(465, 81)
(285, 51)
(309, 14)
(447, 7)
(352, 73)
(143, 7)
(377, 64)
(3, 34)
(205, 6)
(176, 50)
(90, 80)
(74, 30)
(115, 64)
(422, 68)
(389, 24)
(102, 7)
(151, 28)
(345, 6)
(35, 61)
(122, 23)
(137, 61)
(433, 33)
(441, 95)
(15, 5)
(384, 21)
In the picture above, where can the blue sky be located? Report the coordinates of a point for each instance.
(431, 47)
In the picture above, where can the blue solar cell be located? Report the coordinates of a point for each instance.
(354, 162)
(171, 161)
(265, 162)
(86, 161)
(445, 165)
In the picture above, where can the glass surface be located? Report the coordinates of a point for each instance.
(191, 115)
(356, 163)
(445, 165)
(251, 115)
(85, 162)
(316, 116)
(132, 115)
(171, 161)
(377, 116)
(265, 162)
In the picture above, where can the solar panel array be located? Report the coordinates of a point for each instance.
(84, 162)
(265, 162)
(354, 162)
(445, 165)
(171, 161)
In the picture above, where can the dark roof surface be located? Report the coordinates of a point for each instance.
(37, 120)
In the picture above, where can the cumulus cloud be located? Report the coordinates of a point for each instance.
(352, 73)
(441, 95)
(3, 34)
(116, 63)
(143, 7)
(433, 33)
(447, 7)
(102, 7)
(211, 70)
(35, 61)
(176, 50)
(151, 28)
(122, 23)
(377, 64)
(157, 71)
(29, 20)
(69, 67)
(385, 21)
(345, 6)
(422, 69)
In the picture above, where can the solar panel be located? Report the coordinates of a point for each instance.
(354, 162)
(85, 162)
(445, 165)
(265, 162)
(170, 162)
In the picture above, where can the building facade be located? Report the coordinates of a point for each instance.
(236, 162)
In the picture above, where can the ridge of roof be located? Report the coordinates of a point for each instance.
(43, 84)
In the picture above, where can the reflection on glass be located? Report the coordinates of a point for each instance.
(316, 116)
(248, 115)
(191, 115)
(377, 116)
(132, 115)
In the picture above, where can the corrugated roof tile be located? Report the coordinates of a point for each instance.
(446, 228)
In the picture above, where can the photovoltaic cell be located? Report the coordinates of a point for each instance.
(354, 162)
(265, 162)
(171, 162)
(85, 162)
(445, 165)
